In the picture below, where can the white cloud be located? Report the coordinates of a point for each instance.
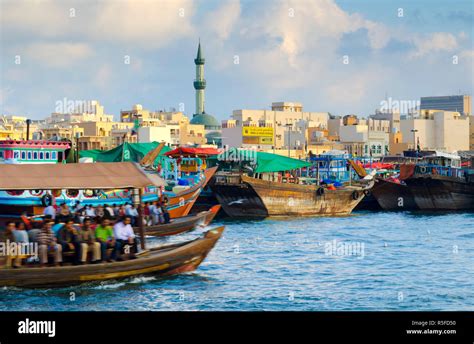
(436, 42)
(58, 55)
(146, 23)
(223, 19)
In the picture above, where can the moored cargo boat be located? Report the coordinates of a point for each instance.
(238, 199)
(439, 183)
(392, 195)
(288, 199)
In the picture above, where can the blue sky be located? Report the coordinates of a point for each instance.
(286, 50)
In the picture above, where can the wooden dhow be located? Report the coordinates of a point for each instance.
(164, 260)
(290, 199)
(182, 224)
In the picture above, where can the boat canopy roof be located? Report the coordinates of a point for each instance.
(265, 162)
(438, 154)
(76, 176)
(125, 152)
(206, 151)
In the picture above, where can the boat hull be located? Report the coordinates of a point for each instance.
(436, 192)
(393, 196)
(240, 201)
(179, 225)
(165, 261)
(286, 199)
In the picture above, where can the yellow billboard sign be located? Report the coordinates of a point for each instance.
(257, 131)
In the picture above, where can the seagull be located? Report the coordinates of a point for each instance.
(239, 201)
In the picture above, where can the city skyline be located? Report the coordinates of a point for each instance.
(256, 53)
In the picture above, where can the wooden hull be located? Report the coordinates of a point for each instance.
(286, 199)
(240, 201)
(181, 205)
(211, 214)
(393, 196)
(167, 260)
(369, 202)
(436, 192)
(177, 226)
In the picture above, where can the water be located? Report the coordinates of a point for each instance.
(399, 261)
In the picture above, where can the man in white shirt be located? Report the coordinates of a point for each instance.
(90, 212)
(50, 210)
(125, 238)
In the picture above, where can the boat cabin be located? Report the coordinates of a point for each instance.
(33, 151)
(441, 163)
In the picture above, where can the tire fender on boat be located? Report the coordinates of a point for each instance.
(47, 200)
(355, 195)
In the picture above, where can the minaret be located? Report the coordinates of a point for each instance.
(199, 82)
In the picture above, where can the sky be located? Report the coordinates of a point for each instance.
(343, 57)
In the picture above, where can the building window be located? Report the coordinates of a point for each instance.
(47, 155)
(23, 155)
(16, 154)
(41, 156)
(54, 155)
(35, 155)
(29, 155)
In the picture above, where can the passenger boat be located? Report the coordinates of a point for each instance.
(164, 261)
(182, 224)
(185, 177)
(438, 182)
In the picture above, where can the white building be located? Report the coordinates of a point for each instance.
(168, 133)
(366, 137)
(437, 130)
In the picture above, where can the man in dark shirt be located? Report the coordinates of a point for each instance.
(69, 240)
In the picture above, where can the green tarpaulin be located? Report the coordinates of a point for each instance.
(265, 162)
(125, 152)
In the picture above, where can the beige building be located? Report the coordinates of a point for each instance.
(471, 131)
(149, 118)
(83, 111)
(13, 127)
(437, 130)
(283, 127)
(365, 137)
(397, 145)
(57, 133)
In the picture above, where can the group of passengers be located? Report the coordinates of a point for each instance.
(153, 212)
(60, 235)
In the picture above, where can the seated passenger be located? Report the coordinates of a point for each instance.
(47, 243)
(88, 243)
(125, 237)
(68, 239)
(10, 235)
(104, 234)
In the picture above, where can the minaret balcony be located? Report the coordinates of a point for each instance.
(199, 84)
(199, 61)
